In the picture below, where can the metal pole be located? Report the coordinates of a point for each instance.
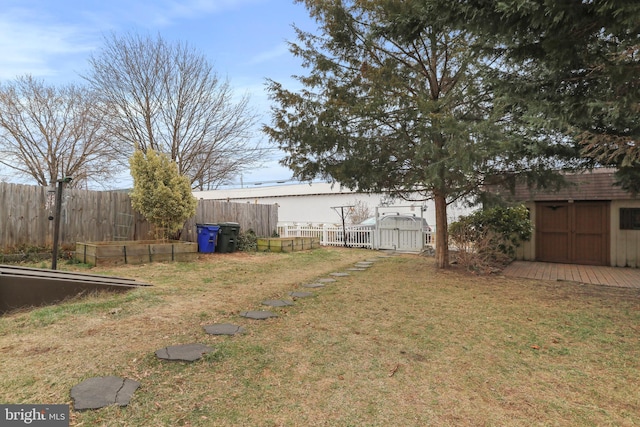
(376, 232)
(344, 229)
(56, 225)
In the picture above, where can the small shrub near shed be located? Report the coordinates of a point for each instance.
(487, 240)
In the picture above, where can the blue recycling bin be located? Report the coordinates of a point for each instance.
(207, 238)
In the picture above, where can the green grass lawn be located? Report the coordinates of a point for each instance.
(401, 344)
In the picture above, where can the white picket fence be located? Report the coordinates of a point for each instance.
(333, 235)
(329, 235)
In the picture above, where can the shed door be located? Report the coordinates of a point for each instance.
(576, 233)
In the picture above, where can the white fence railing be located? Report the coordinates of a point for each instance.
(332, 235)
(329, 235)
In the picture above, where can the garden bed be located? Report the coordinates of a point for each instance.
(135, 252)
(287, 244)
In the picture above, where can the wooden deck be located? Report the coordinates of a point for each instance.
(592, 274)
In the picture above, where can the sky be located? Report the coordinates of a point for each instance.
(245, 40)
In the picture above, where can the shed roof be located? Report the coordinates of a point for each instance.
(598, 184)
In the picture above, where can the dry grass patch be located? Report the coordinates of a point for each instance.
(399, 344)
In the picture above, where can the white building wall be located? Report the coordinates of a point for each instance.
(312, 203)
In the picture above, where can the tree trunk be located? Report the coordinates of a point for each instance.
(442, 232)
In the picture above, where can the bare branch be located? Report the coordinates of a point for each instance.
(167, 97)
(47, 133)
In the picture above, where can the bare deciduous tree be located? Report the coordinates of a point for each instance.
(359, 211)
(166, 97)
(49, 132)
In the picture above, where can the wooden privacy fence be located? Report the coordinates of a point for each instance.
(95, 216)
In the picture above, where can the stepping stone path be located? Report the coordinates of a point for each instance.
(98, 392)
(301, 294)
(183, 352)
(258, 315)
(224, 329)
(313, 285)
(277, 303)
(363, 264)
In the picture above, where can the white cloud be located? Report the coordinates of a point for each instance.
(277, 52)
(28, 44)
(165, 13)
(53, 41)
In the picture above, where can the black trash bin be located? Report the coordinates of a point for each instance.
(228, 237)
(207, 237)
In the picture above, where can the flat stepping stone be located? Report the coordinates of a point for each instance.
(364, 263)
(98, 392)
(356, 269)
(258, 315)
(339, 274)
(277, 303)
(301, 294)
(370, 260)
(183, 352)
(314, 285)
(224, 329)
(326, 280)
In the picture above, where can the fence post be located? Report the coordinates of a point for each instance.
(56, 226)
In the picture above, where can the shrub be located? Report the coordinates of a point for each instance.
(160, 193)
(247, 241)
(25, 253)
(487, 240)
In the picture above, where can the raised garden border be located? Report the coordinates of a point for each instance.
(287, 244)
(135, 252)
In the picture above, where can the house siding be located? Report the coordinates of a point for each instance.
(527, 251)
(625, 244)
